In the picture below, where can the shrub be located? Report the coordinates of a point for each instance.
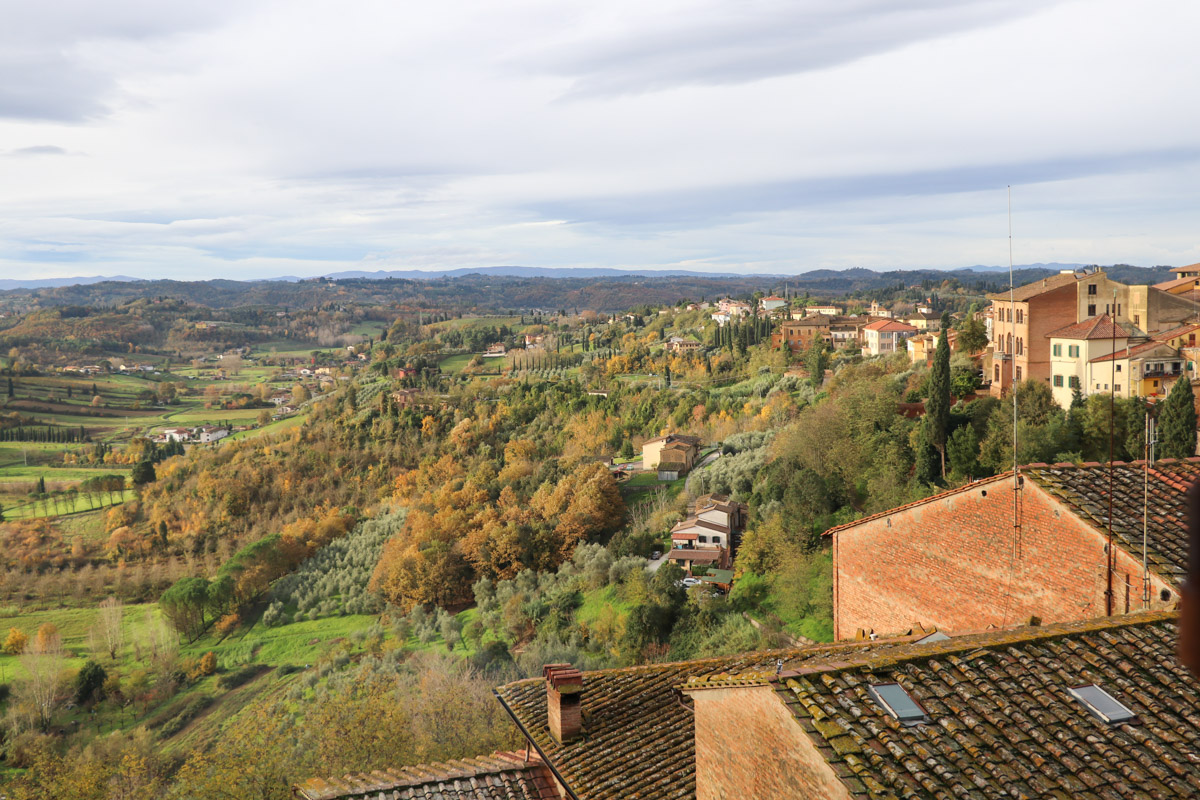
(239, 677)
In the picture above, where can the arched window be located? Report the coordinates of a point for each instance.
(1009, 347)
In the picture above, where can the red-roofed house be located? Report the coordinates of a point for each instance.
(886, 336)
(1073, 349)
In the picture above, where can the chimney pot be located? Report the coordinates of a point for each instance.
(564, 708)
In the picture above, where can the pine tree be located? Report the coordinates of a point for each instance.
(937, 407)
(10, 387)
(41, 485)
(1177, 431)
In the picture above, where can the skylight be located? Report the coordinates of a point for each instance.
(1102, 705)
(898, 703)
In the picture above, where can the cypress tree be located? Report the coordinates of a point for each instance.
(817, 361)
(1177, 431)
(937, 407)
(10, 387)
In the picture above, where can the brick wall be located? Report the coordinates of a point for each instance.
(957, 563)
(750, 747)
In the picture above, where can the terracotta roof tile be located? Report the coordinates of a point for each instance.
(1085, 490)
(500, 776)
(1001, 721)
(1175, 283)
(639, 737)
(889, 325)
(1031, 290)
(1101, 327)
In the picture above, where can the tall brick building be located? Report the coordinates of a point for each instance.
(957, 561)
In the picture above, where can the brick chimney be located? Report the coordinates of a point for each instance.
(564, 691)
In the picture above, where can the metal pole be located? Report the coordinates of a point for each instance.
(1146, 507)
(1012, 360)
(1112, 395)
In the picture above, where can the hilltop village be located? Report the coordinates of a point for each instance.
(771, 542)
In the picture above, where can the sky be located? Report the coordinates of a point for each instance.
(256, 138)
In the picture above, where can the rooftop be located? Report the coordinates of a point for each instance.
(1001, 719)
(501, 776)
(889, 325)
(1142, 349)
(1084, 489)
(1175, 283)
(639, 738)
(1031, 290)
(1101, 327)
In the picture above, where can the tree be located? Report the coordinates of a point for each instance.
(42, 690)
(817, 361)
(41, 484)
(937, 406)
(89, 682)
(972, 336)
(16, 642)
(1177, 431)
(185, 605)
(143, 473)
(627, 449)
(300, 394)
(112, 625)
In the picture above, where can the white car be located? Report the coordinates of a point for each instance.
(690, 582)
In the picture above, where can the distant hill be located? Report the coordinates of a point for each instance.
(41, 283)
(491, 290)
(852, 274)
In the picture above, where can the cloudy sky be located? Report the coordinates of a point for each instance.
(257, 138)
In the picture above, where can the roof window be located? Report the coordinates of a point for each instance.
(897, 702)
(1102, 705)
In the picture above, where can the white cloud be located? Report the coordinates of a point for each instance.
(305, 137)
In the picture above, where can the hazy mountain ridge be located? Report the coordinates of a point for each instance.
(484, 291)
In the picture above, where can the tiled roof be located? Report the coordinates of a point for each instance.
(639, 739)
(889, 325)
(1085, 490)
(1101, 327)
(1175, 283)
(1031, 290)
(1001, 721)
(501, 776)
(1163, 336)
(1138, 350)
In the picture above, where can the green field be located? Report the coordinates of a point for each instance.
(213, 415)
(455, 364)
(476, 322)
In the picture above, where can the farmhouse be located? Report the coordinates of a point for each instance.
(674, 449)
(678, 344)
(706, 538)
(208, 434)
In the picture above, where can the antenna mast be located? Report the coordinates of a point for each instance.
(1150, 435)
(1012, 375)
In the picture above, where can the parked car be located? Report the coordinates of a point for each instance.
(690, 582)
(656, 555)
